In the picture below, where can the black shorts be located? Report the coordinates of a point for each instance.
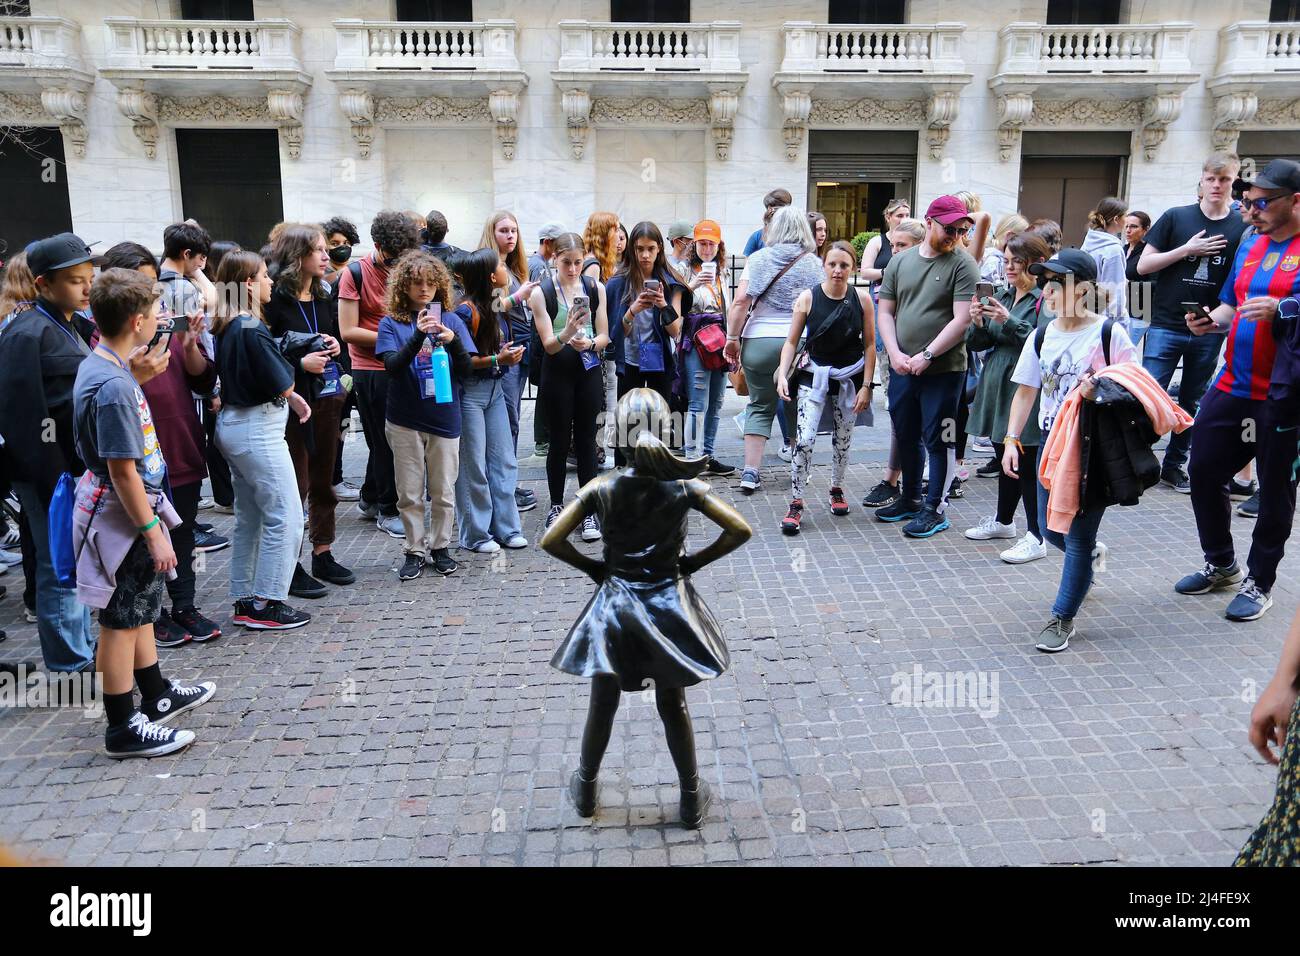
(137, 600)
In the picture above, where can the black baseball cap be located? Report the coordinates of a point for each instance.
(57, 252)
(1278, 174)
(1069, 262)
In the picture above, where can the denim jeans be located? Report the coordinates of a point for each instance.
(63, 623)
(513, 383)
(704, 390)
(1200, 355)
(268, 511)
(1079, 545)
(489, 472)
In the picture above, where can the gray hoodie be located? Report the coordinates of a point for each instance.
(1108, 252)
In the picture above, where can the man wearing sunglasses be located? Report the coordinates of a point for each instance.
(1253, 408)
(1188, 254)
(924, 311)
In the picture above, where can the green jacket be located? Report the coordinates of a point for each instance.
(992, 405)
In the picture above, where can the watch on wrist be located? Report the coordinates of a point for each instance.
(927, 355)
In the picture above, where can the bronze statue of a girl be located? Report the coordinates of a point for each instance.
(646, 626)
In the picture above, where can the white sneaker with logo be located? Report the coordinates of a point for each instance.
(1025, 550)
(991, 528)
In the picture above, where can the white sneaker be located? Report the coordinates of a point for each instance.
(345, 492)
(991, 528)
(12, 539)
(516, 542)
(205, 504)
(1025, 550)
(487, 547)
(10, 557)
(786, 453)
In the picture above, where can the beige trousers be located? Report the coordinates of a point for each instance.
(421, 461)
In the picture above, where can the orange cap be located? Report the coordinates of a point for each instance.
(708, 230)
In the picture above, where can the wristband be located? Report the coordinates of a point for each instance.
(493, 360)
(146, 528)
(1013, 440)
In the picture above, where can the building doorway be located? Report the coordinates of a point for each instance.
(33, 187)
(1063, 175)
(853, 174)
(238, 201)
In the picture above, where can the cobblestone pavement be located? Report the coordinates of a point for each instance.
(420, 722)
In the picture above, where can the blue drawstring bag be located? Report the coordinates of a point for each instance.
(62, 507)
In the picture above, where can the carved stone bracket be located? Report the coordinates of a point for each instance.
(940, 113)
(286, 108)
(1233, 109)
(68, 107)
(141, 109)
(504, 107)
(723, 105)
(359, 107)
(1157, 113)
(1014, 111)
(796, 107)
(577, 114)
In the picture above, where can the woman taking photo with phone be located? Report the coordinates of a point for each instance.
(836, 370)
(1002, 324)
(486, 512)
(703, 336)
(571, 323)
(601, 241)
(645, 314)
(422, 418)
(257, 383)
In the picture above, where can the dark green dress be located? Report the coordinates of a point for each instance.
(992, 405)
(1276, 842)
(646, 624)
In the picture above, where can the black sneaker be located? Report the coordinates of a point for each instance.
(956, 490)
(1242, 490)
(553, 514)
(1250, 507)
(178, 699)
(167, 633)
(305, 586)
(141, 737)
(881, 495)
(442, 561)
(990, 469)
(208, 541)
(276, 616)
(926, 524)
(411, 568)
(715, 467)
(202, 526)
(525, 500)
(1176, 478)
(324, 567)
(899, 510)
(196, 625)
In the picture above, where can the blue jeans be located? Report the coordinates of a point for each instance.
(704, 390)
(1200, 355)
(485, 488)
(62, 622)
(513, 383)
(1079, 545)
(268, 511)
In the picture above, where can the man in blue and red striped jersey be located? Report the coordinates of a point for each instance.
(1241, 416)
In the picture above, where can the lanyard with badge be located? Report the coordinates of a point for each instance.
(590, 357)
(330, 374)
(62, 327)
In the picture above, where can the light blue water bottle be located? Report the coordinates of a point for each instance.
(441, 375)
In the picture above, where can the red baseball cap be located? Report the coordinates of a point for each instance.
(948, 210)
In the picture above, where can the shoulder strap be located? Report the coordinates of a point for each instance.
(589, 286)
(473, 318)
(1040, 335)
(354, 269)
(548, 293)
(777, 278)
(1107, 328)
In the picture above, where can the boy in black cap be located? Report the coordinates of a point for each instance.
(1253, 408)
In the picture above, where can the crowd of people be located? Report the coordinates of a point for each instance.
(139, 377)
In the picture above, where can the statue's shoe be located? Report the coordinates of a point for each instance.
(583, 792)
(695, 805)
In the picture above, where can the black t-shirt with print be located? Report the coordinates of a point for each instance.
(1193, 278)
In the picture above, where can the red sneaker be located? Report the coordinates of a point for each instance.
(790, 523)
(839, 506)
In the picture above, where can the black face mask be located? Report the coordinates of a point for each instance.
(340, 254)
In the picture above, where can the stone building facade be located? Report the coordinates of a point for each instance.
(146, 113)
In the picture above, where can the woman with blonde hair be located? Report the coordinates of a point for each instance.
(880, 247)
(501, 234)
(993, 267)
(18, 289)
(600, 240)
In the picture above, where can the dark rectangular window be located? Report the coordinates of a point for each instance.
(1284, 11)
(1082, 11)
(15, 8)
(33, 187)
(435, 11)
(230, 182)
(650, 11)
(868, 11)
(217, 9)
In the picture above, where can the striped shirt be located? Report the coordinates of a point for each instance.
(1262, 267)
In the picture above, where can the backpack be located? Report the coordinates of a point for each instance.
(59, 521)
(1106, 328)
